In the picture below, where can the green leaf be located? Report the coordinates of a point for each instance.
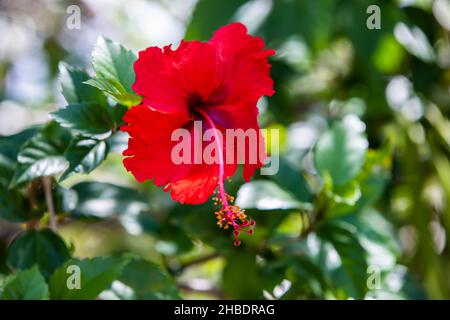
(96, 275)
(14, 207)
(143, 280)
(241, 277)
(415, 41)
(290, 178)
(396, 284)
(42, 155)
(104, 200)
(307, 276)
(208, 16)
(197, 222)
(117, 112)
(377, 236)
(389, 55)
(43, 248)
(88, 119)
(113, 65)
(374, 175)
(65, 199)
(308, 267)
(315, 25)
(84, 155)
(340, 152)
(24, 285)
(266, 195)
(74, 89)
(367, 187)
(10, 147)
(346, 195)
(348, 272)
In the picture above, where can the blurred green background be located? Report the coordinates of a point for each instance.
(360, 207)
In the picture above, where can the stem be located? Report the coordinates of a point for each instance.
(32, 224)
(47, 183)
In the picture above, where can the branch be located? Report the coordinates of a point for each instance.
(47, 183)
(200, 260)
(32, 224)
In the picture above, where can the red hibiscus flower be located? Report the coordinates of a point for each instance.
(215, 83)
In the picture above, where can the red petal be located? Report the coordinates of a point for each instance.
(150, 146)
(241, 116)
(166, 79)
(247, 79)
(245, 64)
(155, 81)
(197, 187)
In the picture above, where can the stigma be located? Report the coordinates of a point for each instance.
(230, 216)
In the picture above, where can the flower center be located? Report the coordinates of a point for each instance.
(229, 214)
(194, 102)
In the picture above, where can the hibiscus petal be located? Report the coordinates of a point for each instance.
(150, 145)
(156, 82)
(198, 71)
(240, 116)
(167, 79)
(197, 187)
(246, 70)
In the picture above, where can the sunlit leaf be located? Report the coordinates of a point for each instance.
(143, 280)
(10, 147)
(114, 74)
(347, 258)
(88, 119)
(414, 41)
(340, 152)
(73, 87)
(389, 55)
(42, 155)
(104, 200)
(367, 187)
(266, 195)
(378, 238)
(84, 155)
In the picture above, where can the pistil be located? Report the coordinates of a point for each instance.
(229, 215)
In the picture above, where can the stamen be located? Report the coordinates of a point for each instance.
(228, 215)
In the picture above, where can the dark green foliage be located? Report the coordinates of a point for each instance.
(44, 248)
